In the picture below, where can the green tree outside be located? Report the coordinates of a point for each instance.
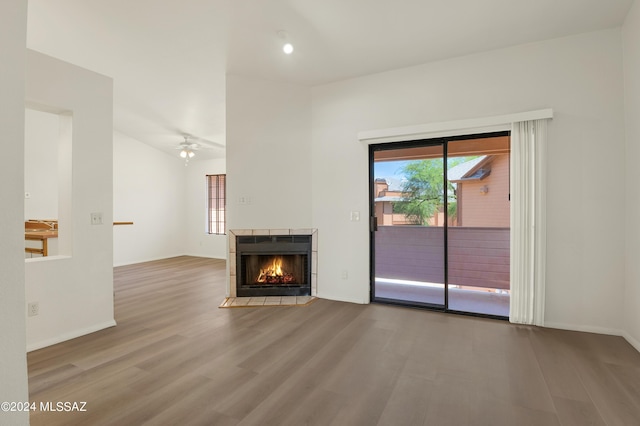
(424, 188)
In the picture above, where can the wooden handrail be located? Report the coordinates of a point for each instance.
(122, 223)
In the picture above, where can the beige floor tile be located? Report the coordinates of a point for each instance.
(231, 302)
(227, 302)
(240, 301)
(288, 300)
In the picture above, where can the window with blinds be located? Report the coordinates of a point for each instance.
(217, 203)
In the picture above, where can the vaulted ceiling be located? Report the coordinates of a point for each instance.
(169, 58)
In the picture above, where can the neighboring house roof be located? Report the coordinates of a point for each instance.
(392, 198)
(394, 182)
(470, 170)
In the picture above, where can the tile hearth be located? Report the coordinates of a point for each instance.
(246, 302)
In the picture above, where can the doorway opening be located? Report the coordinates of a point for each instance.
(441, 224)
(47, 182)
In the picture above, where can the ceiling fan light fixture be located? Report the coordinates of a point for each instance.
(187, 150)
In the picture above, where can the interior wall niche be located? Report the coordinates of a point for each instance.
(47, 180)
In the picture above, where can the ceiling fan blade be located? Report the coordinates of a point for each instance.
(208, 143)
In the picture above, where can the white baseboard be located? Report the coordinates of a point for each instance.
(633, 342)
(584, 328)
(321, 295)
(135, 262)
(206, 256)
(598, 330)
(70, 335)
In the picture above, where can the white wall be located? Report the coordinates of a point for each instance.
(13, 360)
(631, 44)
(149, 190)
(579, 77)
(165, 200)
(268, 154)
(75, 292)
(198, 241)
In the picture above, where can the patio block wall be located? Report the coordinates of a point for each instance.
(478, 257)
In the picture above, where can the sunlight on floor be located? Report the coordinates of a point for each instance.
(465, 300)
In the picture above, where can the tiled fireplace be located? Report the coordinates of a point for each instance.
(273, 262)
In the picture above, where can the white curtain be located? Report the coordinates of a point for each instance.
(528, 230)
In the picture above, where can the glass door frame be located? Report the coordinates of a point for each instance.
(419, 143)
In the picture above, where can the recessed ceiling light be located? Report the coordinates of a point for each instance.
(286, 47)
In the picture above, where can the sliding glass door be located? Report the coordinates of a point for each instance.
(408, 195)
(440, 224)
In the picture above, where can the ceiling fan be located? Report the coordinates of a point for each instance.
(191, 144)
(187, 149)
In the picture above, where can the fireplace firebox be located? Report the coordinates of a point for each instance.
(274, 265)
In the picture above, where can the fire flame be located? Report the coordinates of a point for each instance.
(272, 273)
(273, 270)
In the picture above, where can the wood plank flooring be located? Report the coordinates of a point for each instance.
(175, 358)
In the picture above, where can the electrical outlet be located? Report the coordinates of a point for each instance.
(355, 216)
(345, 274)
(96, 218)
(33, 309)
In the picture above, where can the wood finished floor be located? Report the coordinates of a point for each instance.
(175, 358)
